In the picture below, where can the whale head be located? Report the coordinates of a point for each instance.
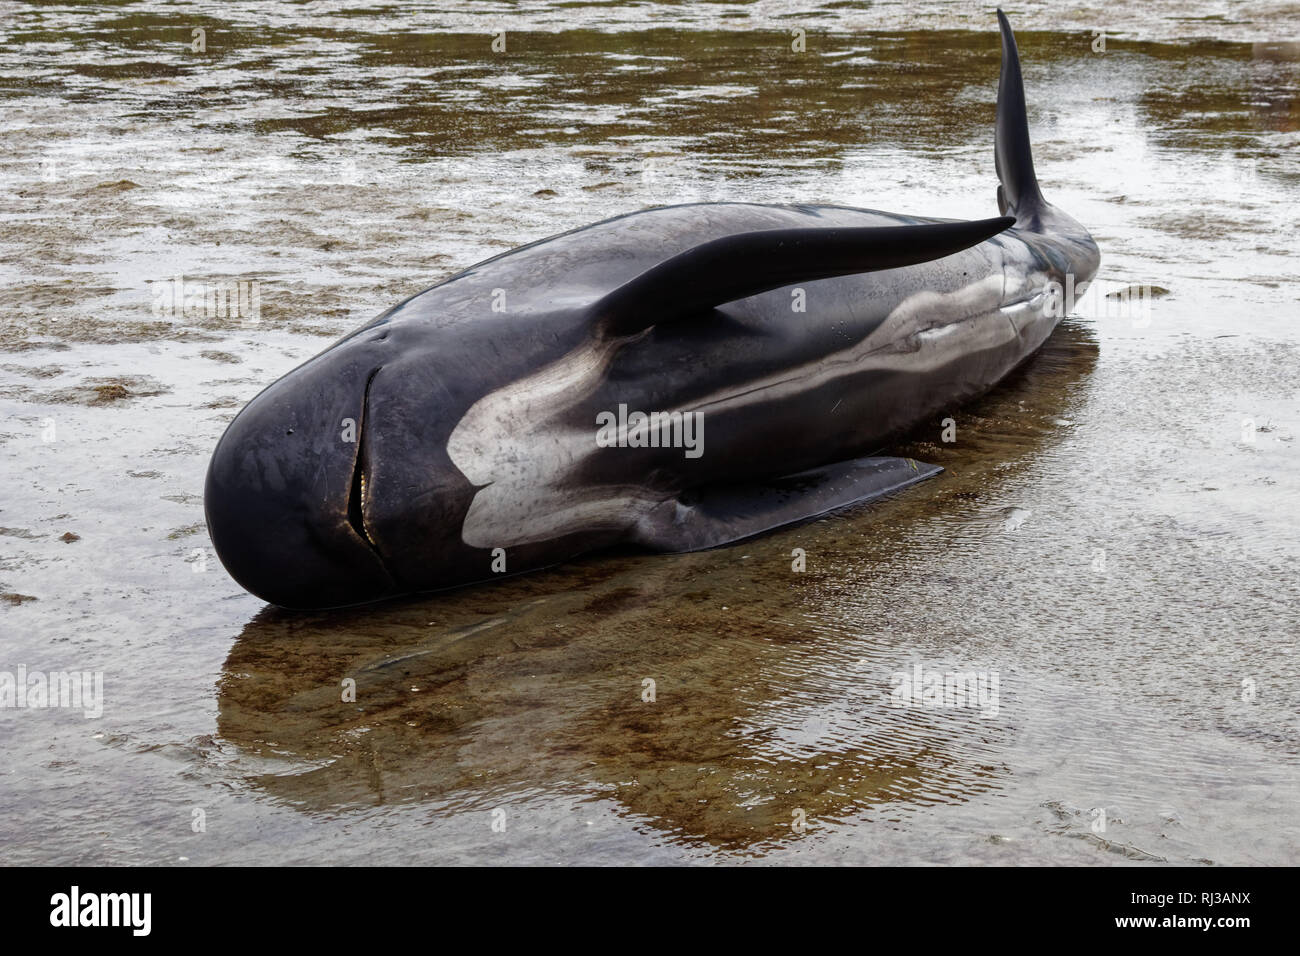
(334, 487)
(281, 498)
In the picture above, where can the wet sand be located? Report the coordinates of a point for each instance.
(1113, 537)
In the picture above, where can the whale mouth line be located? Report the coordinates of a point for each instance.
(356, 496)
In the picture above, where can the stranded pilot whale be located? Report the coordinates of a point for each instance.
(676, 378)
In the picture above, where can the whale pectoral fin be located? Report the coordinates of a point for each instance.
(718, 515)
(747, 263)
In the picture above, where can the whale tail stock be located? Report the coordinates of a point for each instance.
(1018, 192)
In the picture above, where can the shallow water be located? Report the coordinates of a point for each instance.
(1110, 538)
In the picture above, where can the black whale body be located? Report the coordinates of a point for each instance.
(474, 404)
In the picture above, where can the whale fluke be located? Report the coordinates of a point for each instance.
(1018, 194)
(722, 514)
(747, 263)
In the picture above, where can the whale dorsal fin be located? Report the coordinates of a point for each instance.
(747, 263)
(1018, 192)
